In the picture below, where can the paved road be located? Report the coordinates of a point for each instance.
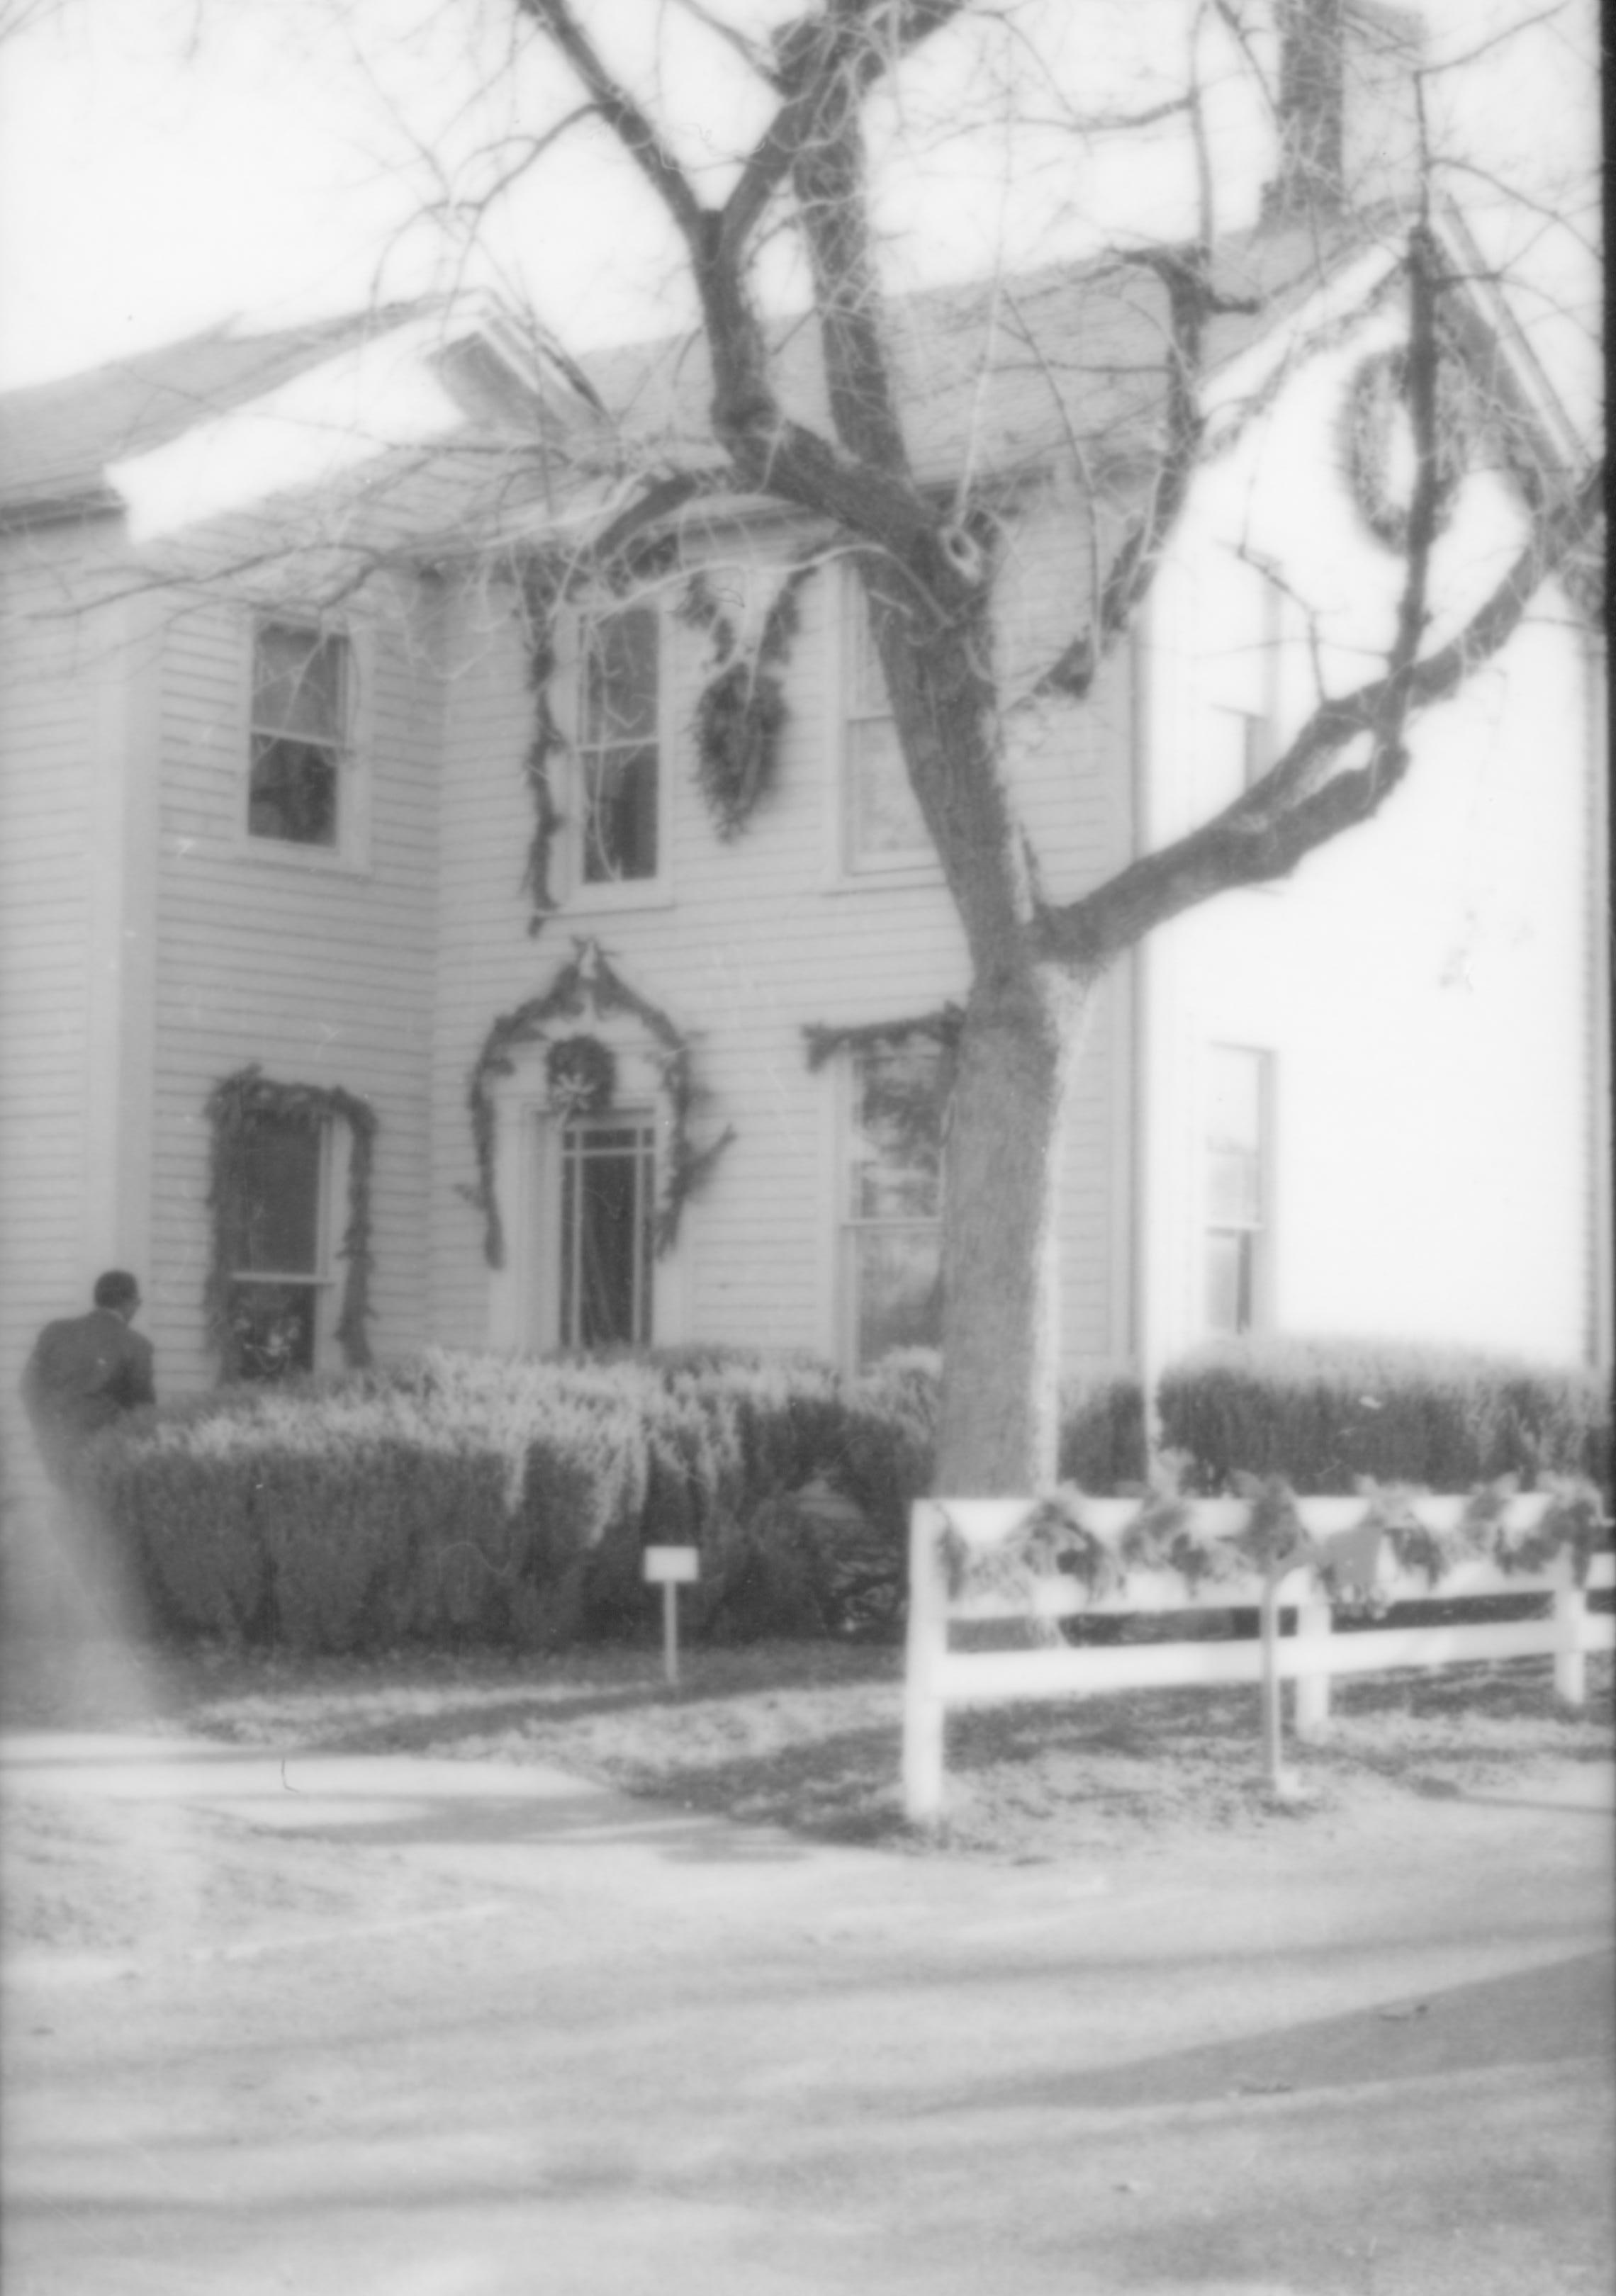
(388, 2027)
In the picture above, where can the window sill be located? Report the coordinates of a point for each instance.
(310, 860)
(900, 873)
(610, 900)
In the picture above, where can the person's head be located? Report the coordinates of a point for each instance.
(119, 1290)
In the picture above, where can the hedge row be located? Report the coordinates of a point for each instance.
(496, 1499)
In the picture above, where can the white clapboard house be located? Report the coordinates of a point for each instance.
(392, 952)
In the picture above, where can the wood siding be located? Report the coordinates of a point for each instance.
(320, 974)
(747, 945)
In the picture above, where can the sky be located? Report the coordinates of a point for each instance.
(169, 164)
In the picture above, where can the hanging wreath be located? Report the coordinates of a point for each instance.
(1377, 408)
(233, 1107)
(588, 983)
(741, 712)
(581, 1074)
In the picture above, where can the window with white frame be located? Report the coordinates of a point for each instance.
(883, 827)
(279, 1251)
(892, 1234)
(300, 735)
(619, 745)
(607, 1239)
(1238, 1099)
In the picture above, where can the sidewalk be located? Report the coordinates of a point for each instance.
(394, 2025)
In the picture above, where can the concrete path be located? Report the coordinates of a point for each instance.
(461, 2028)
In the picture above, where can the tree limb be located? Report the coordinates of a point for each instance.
(1300, 804)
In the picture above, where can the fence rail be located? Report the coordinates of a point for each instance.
(938, 1677)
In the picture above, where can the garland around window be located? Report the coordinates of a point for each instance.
(233, 1106)
(589, 984)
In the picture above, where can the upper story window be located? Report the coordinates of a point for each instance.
(892, 1247)
(1239, 1232)
(882, 825)
(300, 701)
(619, 746)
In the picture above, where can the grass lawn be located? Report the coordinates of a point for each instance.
(806, 1735)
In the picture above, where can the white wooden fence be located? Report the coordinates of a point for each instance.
(938, 1677)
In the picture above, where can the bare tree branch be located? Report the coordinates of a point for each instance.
(1301, 804)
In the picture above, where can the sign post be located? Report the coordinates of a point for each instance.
(671, 1568)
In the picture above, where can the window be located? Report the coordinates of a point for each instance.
(882, 825)
(1240, 751)
(894, 1203)
(608, 1204)
(300, 730)
(618, 746)
(1239, 1087)
(278, 1252)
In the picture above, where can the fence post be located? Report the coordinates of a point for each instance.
(1273, 1727)
(1314, 1622)
(928, 1638)
(1570, 1665)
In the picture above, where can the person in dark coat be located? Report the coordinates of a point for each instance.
(86, 1372)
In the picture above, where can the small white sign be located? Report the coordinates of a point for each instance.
(671, 1566)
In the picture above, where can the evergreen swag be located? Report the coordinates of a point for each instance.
(741, 710)
(880, 1035)
(1052, 1540)
(234, 1105)
(588, 982)
(1377, 395)
(540, 596)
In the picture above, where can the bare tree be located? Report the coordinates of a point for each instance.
(927, 563)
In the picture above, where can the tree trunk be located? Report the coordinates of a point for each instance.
(1001, 1272)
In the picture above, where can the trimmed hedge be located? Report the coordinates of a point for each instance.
(1325, 1414)
(493, 1499)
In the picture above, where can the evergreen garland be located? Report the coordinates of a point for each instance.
(588, 982)
(541, 596)
(741, 712)
(233, 1107)
(1053, 1539)
(884, 1035)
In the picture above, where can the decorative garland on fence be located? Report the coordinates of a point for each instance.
(588, 982)
(1376, 396)
(943, 1026)
(741, 712)
(1053, 1539)
(233, 1106)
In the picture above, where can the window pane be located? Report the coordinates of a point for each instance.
(1229, 1282)
(620, 838)
(281, 1199)
(608, 1178)
(272, 1330)
(297, 684)
(867, 695)
(1234, 1101)
(884, 818)
(292, 793)
(897, 1152)
(897, 1290)
(621, 676)
(1234, 1188)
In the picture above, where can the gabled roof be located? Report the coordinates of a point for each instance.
(57, 438)
(996, 375)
